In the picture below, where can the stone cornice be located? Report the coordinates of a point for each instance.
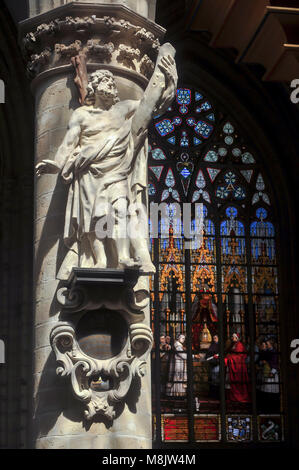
(107, 35)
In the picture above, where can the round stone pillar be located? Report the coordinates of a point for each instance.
(118, 38)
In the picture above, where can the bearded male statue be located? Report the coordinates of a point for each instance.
(103, 159)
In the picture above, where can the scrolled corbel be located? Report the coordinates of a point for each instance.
(141, 338)
(62, 341)
(70, 299)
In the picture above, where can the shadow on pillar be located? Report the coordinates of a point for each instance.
(51, 232)
(74, 101)
(54, 397)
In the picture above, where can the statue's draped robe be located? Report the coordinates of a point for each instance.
(111, 168)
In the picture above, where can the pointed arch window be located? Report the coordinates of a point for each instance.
(215, 302)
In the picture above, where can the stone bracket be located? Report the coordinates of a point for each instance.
(91, 289)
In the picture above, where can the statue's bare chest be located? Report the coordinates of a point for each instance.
(97, 121)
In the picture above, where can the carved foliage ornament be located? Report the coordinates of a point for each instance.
(115, 29)
(128, 41)
(87, 374)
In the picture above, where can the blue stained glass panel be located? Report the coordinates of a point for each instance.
(171, 140)
(151, 189)
(239, 193)
(191, 121)
(261, 213)
(227, 226)
(158, 154)
(165, 195)
(204, 129)
(184, 141)
(230, 177)
(185, 173)
(203, 107)
(226, 248)
(231, 212)
(177, 121)
(262, 229)
(196, 141)
(198, 96)
(183, 96)
(261, 247)
(183, 109)
(211, 117)
(164, 127)
(222, 192)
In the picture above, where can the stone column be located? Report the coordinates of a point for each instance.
(117, 36)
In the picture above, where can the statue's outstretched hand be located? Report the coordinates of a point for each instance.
(168, 67)
(46, 167)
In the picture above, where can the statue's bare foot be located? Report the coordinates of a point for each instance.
(125, 263)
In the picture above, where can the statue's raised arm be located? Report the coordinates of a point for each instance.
(159, 92)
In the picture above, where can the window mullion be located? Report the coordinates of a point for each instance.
(251, 330)
(220, 329)
(190, 388)
(156, 362)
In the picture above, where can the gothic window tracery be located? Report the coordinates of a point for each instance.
(215, 301)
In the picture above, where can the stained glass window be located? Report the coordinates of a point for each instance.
(215, 296)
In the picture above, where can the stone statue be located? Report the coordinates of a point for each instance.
(103, 159)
